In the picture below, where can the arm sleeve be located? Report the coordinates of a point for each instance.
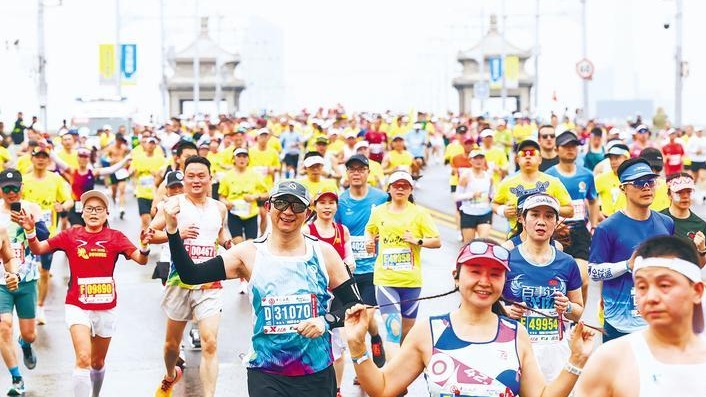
(349, 296)
(191, 273)
(42, 231)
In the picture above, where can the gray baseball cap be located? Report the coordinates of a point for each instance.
(292, 188)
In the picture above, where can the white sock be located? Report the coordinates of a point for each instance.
(81, 380)
(97, 376)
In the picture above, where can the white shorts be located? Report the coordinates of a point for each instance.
(338, 345)
(101, 322)
(182, 304)
(552, 357)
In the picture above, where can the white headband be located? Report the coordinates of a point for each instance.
(688, 269)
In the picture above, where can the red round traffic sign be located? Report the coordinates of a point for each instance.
(585, 69)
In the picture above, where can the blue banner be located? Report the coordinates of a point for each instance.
(128, 63)
(495, 64)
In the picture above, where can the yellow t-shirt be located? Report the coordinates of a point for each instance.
(521, 132)
(661, 197)
(376, 177)
(274, 143)
(496, 159)
(24, 163)
(514, 186)
(144, 168)
(5, 156)
(398, 263)
(403, 159)
(46, 192)
(235, 185)
(261, 161)
(335, 146)
(323, 185)
(608, 188)
(71, 158)
(452, 150)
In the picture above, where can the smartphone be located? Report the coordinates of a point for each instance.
(16, 206)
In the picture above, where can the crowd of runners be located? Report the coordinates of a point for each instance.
(314, 216)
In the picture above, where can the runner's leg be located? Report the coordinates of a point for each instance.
(99, 349)
(175, 332)
(208, 327)
(81, 339)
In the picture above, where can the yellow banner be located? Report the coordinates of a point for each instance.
(106, 63)
(512, 72)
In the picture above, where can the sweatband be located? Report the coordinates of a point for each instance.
(190, 272)
(501, 210)
(686, 268)
(607, 270)
(347, 294)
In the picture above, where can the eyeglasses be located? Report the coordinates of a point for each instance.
(94, 210)
(527, 152)
(548, 136)
(281, 205)
(642, 183)
(13, 189)
(475, 248)
(357, 170)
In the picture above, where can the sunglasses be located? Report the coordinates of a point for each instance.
(548, 136)
(281, 205)
(476, 248)
(642, 183)
(527, 152)
(13, 189)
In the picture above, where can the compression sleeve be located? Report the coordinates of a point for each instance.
(349, 296)
(607, 270)
(189, 272)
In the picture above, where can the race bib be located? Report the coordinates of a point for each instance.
(122, 174)
(200, 253)
(18, 251)
(261, 169)
(283, 313)
(540, 328)
(375, 148)
(240, 208)
(46, 217)
(358, 246)
(96, 290)
(397, 259)
(147, 181)
(579, 210)
(78, 207)
(674, 159)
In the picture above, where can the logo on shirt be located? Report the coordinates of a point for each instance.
(539, 296)
(540, 187)
(582, 187)
(86, 253)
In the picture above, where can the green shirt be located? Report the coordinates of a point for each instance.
(687, 227)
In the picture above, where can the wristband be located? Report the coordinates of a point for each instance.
(501, 210)
(572, 369)
(360, 359)
(569, 308)
(31, 235)
(145, 252)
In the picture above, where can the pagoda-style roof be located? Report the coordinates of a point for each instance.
(208, 49)
(493, 44)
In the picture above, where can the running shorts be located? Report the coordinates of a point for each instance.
(183, 304)
(101, 322)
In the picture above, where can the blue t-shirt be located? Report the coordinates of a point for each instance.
(614, 240)
(290, 141)
(581, 187)
(535, 284)
(416, 141)
(354, 214)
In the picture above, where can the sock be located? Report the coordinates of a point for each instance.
(97, 376)
(81, 381)
(23, 343)
(376, 339)
(15, 372)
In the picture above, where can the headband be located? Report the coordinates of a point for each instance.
(688, 269)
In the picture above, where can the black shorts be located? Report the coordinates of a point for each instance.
(45, 261)
(75, 218)
(580, 242)
(144, 206)
(366, 288)
(292, 160)
(319, 384)
(472, 221)
(697, 165)
(114, 180)
(453, 188)
(240, 228)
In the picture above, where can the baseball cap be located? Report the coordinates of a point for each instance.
(326, 193)
(82, 151)
(398, 138)
(175, 178)
(313, 160)
(487, 133)
(539, 200)
(360, 144)
(479, 252)
(653, 157)
(400, 176)
(292, 188)
(107, 127)
(528, 142)
(263, 131)
(40, 150)
(641, 129)
(469, 141)
(617, 148)
(567, 138)
(239, 151)
(675, 184)
(357, 158)
(476, 153)
(350, 134)
(10, 177)
(95, 194)
(632, 169)
(151, 139)
(322, 139)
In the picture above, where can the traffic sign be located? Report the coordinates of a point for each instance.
(481, 90)
(585, 69)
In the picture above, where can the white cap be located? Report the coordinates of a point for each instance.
(263, 131)
(350, 134)
(487, 133)
(400, 176)
(313, 160)
(108, 127)
(360, 144)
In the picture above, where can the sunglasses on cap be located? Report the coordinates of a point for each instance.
(281, 205)
(527, 152)
(11, 188)
(476, 248)
(642, 183)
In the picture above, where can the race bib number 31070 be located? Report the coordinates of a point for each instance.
(283, 313)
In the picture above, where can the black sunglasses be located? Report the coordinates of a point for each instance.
(281, 205)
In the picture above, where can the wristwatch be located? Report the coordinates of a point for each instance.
(331, 319)
(420, 242)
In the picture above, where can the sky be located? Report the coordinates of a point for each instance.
(365, 54)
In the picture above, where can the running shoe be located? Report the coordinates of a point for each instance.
(167, 387)
(122, 214)
(40, 317)
(30, 359)
(195, 338)
(355, 381)
(181, 360)
(17, 388)
(378, 351)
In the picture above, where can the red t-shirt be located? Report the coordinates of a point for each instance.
(92, 258)
(377, 140)
(673, 158)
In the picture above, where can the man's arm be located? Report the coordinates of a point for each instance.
(224, 237)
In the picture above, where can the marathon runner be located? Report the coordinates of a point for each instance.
(291, 350)
(264, 161)
(313, 181)
(292, 144)
(667, 358)
(145, 167)
(655, 160)
(417, 140)
(547, 143)
(472, 351)
(115, 153)
(687, 224)
(378, 141)
(475, 187)
(594, 150)
(91, 297)
(607, 183)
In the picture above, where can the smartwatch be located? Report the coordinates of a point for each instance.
(420, 242)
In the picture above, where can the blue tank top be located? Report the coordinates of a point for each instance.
(283, 292)
(461, 368)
